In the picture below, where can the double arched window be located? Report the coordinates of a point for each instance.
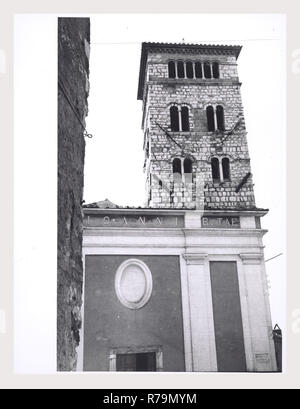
(179, 118)
(193, 69)
(215, 118)
(182, 166)
(220, 168)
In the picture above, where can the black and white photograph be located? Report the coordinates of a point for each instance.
(166, 250)
(162, 262)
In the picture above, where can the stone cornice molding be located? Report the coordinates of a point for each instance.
(195, 258)
(251, 258)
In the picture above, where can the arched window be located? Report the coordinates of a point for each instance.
(220, 118)
(187, 165)
(198, 69)
(189, 70)
(185, 125)
(180, 69)
(216, 72)
(207, 70)
(215, 169)
(177, 165)
(172, 71)
(174, 119)
(226, 169)
(177, 176)
(210, 119)
(188, 169)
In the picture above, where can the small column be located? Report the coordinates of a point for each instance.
(221, 170)
(179, 118)
(182, 170)
(184, 69)
(215, 118)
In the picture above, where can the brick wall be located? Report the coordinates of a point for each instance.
(73, 86)
(159, 94)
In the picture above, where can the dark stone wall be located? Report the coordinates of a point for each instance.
(108, 324)
(73, 88)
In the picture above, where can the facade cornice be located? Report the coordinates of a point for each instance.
(176, 212)
(195, 258)
(224, 232)
(133, 232)
(251, 258)
(200, 82)
(172, 232)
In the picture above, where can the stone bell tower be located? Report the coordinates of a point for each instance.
(196, 153)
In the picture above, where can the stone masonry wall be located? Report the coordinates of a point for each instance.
(199, 144)
(73, 87)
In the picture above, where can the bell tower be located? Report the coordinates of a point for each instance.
(195, 144)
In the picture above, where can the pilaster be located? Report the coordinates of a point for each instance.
(201, 313)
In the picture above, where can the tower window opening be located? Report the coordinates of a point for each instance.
(180, 69)
(207, 70)
(189, 70)
(220, 118)
(215, 168)
(172, 71)
(187, 165)
(198, 69)
(160, 183)
(210, 119)
(177, 166)
(188, 168)
(216, 71)
(185, 125)
(226, 169)
(174, 119)
(177, 175)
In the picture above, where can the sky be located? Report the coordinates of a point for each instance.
(114, 156)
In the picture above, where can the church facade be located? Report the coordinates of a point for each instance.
(180, 284)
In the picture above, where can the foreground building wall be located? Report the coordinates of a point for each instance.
(73, 85)
(208, 303)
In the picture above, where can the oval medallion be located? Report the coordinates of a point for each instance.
(133, 283)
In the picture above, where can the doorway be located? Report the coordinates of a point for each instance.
(143, 361)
